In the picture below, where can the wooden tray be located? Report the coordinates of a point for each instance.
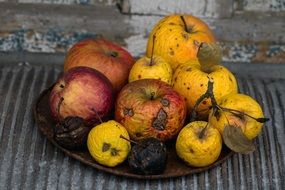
(175, 167)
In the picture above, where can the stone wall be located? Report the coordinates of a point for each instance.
(248, 30)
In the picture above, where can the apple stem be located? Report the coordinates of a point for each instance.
(202, 133)
(152, 51)
(121, 136)
(97, 115)
(184, 23)
(58, 106)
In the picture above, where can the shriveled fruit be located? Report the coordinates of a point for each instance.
(71, 132)
(106, 145)
(148, 156)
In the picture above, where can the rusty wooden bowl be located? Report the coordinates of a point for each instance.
(175, 166)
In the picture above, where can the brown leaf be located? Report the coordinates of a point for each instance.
(209, 54)
(235, 139)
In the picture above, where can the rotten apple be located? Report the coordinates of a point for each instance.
(150, 108)
(103, 55)
(82, 92)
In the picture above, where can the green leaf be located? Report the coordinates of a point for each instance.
(235, 139)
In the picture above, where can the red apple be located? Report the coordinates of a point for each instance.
(105, 56)
(150, 108)
(82, 92)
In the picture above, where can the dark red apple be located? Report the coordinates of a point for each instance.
(103, 55)
(82, 92)
(150, 108)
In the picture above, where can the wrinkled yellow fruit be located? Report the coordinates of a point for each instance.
(105, 144)
(191, 82)
(199, 151)
(159, 69)
(241, 102)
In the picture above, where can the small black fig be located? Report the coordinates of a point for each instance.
(148, 157)
(71, 133)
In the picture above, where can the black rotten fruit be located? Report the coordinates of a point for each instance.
(71, 132)
(148, 157)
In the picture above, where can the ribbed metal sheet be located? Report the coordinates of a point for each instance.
(28, 161)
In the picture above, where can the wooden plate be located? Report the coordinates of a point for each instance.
(175, 167)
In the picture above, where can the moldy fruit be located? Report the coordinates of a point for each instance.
(71, 133)
(148, 156)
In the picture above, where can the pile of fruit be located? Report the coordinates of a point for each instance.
(122, 109)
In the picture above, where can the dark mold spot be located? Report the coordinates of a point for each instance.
(204, 102)
(191, 150)
(196, 43)
(139, 76)
(185, 36)
(61, 86)
(138, 134)
(188, 88)
(171, 23)
(159, 122)
(106, 147)
(201, 85)
(128, 111)
(114, 152)
(165, 102)
(177, 45)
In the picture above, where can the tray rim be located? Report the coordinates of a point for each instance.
(112, 170)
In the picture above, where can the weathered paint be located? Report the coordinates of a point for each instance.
(202, 8)
(65, 2)
(54, 41)
(264, 5)
(33, 41)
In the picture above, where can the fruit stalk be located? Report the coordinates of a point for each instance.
(121, 136)
(58, 106)
(184, 23)
(208, 94)
(152, 51)
(97, 115)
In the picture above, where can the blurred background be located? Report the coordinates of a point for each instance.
(249, 30)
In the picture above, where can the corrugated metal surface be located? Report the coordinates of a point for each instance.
(28, 161)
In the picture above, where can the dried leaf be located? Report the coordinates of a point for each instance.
(235, 139)
(209, 54)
